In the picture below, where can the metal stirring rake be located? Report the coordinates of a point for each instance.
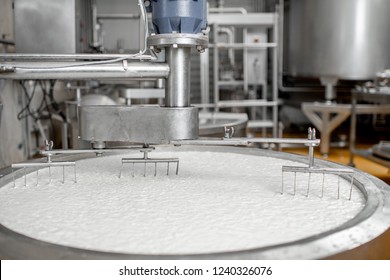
(311, 168)
(49, 163)
(147, 160)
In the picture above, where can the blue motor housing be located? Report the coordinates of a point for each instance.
(180, 16)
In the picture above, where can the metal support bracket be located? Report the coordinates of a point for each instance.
(326, 118)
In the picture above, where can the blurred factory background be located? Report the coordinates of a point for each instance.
(277, 66)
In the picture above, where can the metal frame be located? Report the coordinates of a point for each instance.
(326, 117)
(269, 20)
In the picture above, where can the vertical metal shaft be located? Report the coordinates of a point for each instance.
(178, 83)
(311, 156)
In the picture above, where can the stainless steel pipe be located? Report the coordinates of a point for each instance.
(76, 56)
(178, 82)
(82, 70)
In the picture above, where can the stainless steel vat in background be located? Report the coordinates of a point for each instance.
(51, 26)
(346, 39)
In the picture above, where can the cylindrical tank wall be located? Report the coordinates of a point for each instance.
(346, 39)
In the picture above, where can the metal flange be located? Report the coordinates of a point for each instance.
(176, 40)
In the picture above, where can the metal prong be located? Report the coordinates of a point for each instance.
(39, 165)
(75, 176)
(133, 171)
(282, 182)
(145, 160)
(338, 186)
(295, 182)
(13, 177)
(49, 174)
(350, 191)
(120, 170)
(308, 186)
(25, 177)
(323, 184)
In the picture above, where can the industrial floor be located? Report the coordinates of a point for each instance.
(378, 248)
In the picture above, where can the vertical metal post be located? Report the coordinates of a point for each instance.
(352, 132)
(216, 66)
(245, 58)
(275, 78)
(178, 83)
(95, 35)
(205, 77)
(65, 135)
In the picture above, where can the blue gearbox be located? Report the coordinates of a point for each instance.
(180, 16)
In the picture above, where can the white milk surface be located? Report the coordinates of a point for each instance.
(219, 202)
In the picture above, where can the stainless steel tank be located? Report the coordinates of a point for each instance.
(346, 39)
(365, 228)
